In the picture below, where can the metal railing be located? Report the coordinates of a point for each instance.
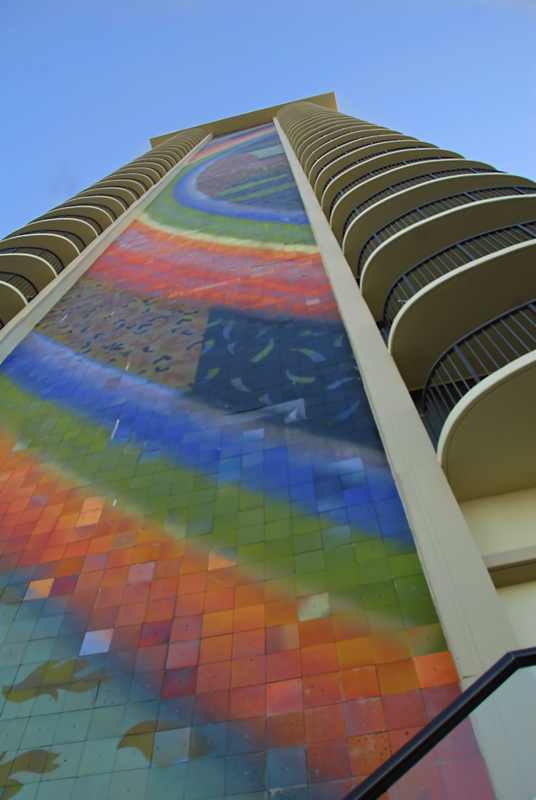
(55, 262)
(432, 734)
(408, 184)
(380, 171)
(449, 259)
(90, 221)
(473, 358)
(25, 286)
(76, 240)
(430, 210)
(403, 146)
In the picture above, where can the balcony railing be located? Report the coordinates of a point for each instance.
(379, 171)
(76, 240)
(402, 145)
(19, 282)
(448, 260)
(473, 358)
(41, 252)
(430, 210)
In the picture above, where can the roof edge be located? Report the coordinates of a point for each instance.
(252, 118)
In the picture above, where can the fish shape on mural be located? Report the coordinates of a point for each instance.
(312, 354)
(39, 761)
(164, 744)
(263, 353)
(298, 378)
(50, 677)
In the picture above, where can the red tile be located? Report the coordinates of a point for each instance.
(284, 696)
(319, 659)
(248, 671)
(438, 698)
(132, 614)
(328, 761)
(216, 648)
(283, 666)
(222, 600)
(183, 654)
(214, 676)
(164, 587)
(251, 594)
(367, 753)
(160, 609)
(179, 682)
(285, 730)
(321, 690)
(192, 584)
(247, 701)
(398, 738)
(126, 638)
(283, 637)
(248, 643)
(63, 585)
(403, 710)
(136, 593)
(364, 716)
(422, 781)
(189, 605)
(459, 744)
(324, 724)
(155, 633)
(316, 631)
(359, 682)
(184, 628)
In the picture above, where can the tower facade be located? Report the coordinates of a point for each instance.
(266, 403)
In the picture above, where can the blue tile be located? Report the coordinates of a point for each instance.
(286, 767)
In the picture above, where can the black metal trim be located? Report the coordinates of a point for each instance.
(412, 752)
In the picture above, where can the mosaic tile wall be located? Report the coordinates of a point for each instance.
(209, 585)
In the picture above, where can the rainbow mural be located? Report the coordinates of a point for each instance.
(209, 584)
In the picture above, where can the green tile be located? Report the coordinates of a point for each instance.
(374, 571)
(308, 542)
(370, 550)
(276, 548)
(11, 733)
(255, 533)
(309, 562)
(339, 556)
(404, 566)
(254, 516)
(418, 612)
(305, 524)
(279, 567)
(250, 553)
(385, 619)
(414, 587)
(55, 790)
(376, 595)
(279, 529)
(275, 512)
(73, 726)
(129, 785)
(106, 722)
(311, 583)
(167, 784)
(91, 787)
(343, 577)
(343, 601)
(426, 640)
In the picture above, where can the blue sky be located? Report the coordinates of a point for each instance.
(86, 83)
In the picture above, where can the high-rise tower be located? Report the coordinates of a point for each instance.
(267, 480)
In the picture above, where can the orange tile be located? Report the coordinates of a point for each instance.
(217, 623)
(248, 671)
(359, 682)
(321, 690)
(285, 730)
(281, 612)
(435, 670)
(214, 676)
(132, 614)
(183, 654)
(69, 566)
(355, 653)
(110, 596)
(280, 589)
(283, 666)
(324, 724)
(400, 737)
(147, 552)
(102, 544)
(367, 753)
(397, 676)
(167, 568)
(75, 549)
(189, 604)
(120, 558)
(392, 646)
(315, 631)
(115, 577)
(249, 618)
(251, 594)
(328, 761)
(136, 592)
(216, 648)
(185, 628)
(164, 587)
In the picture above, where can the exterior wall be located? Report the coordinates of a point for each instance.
(210, 585)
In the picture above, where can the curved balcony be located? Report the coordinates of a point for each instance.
(358, 198)
(12, 301)
(473, 358)
(62, 244)
(314, 154)
(112, 189)
(37, 252)
(344, 155)
(359, 245)
(25, 286)
(84, 227)
(358, 173)
(451, 258)
(87, 209)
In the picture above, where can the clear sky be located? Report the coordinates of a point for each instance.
(86, 83)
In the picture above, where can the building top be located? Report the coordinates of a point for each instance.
(252, 118)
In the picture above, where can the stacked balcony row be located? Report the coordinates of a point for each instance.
(443, 250)
(34, 255)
